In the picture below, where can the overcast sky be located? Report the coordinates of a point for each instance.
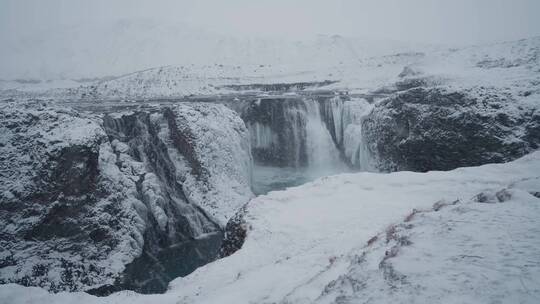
(447, 21)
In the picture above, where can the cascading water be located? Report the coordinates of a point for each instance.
(261, 136)
(295, 140)
(322, 153)
(352, 142)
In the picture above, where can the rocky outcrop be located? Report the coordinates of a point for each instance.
(425, 129)
(219, 146)
(235, 233)
(59, 216)
(106, 202)
(278, 131)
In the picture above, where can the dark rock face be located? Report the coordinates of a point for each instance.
(430, 129)
(280, 87)
(172, 222)
(52, 200)
(184, 141)
(72, 185)
(280, 127)
(235, 234)
(101, 203)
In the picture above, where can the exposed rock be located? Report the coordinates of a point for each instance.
(235, 234)
(278, 131)
(280, 87)
(425, 129)
(102, 203)
(408, 71)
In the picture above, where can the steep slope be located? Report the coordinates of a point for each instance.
(104, 201)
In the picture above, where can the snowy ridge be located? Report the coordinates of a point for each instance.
(503, 68)
(316, 243)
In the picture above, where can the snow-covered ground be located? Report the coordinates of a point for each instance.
(467, 235)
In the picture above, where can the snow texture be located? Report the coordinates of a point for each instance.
(333, 63)
(465, 235)
(83, 195)
(221, 147)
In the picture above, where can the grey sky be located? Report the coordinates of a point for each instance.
(450, 21)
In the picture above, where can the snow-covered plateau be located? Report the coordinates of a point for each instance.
(334, 170)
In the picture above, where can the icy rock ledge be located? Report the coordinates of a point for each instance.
(437, 128)
(84, 195)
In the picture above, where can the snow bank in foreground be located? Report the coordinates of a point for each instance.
(316, 243)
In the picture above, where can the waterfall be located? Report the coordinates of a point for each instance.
(295, 132)
(309, 133)
(322, 153)
(332, 110)
(296, 139)
(344, 120)
(354, 145)
(261, 135)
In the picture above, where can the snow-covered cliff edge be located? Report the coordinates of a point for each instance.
(84, 195)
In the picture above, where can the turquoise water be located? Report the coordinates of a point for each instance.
(266, 178)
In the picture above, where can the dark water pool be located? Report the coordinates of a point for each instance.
(152, 272)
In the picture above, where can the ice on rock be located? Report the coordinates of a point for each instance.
(261, 135)
(90, 194)
(151, 194)
(220, 157)
(348, 117)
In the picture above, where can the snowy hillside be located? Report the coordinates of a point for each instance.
(334, 63)
(401, 237)
(124, 46)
